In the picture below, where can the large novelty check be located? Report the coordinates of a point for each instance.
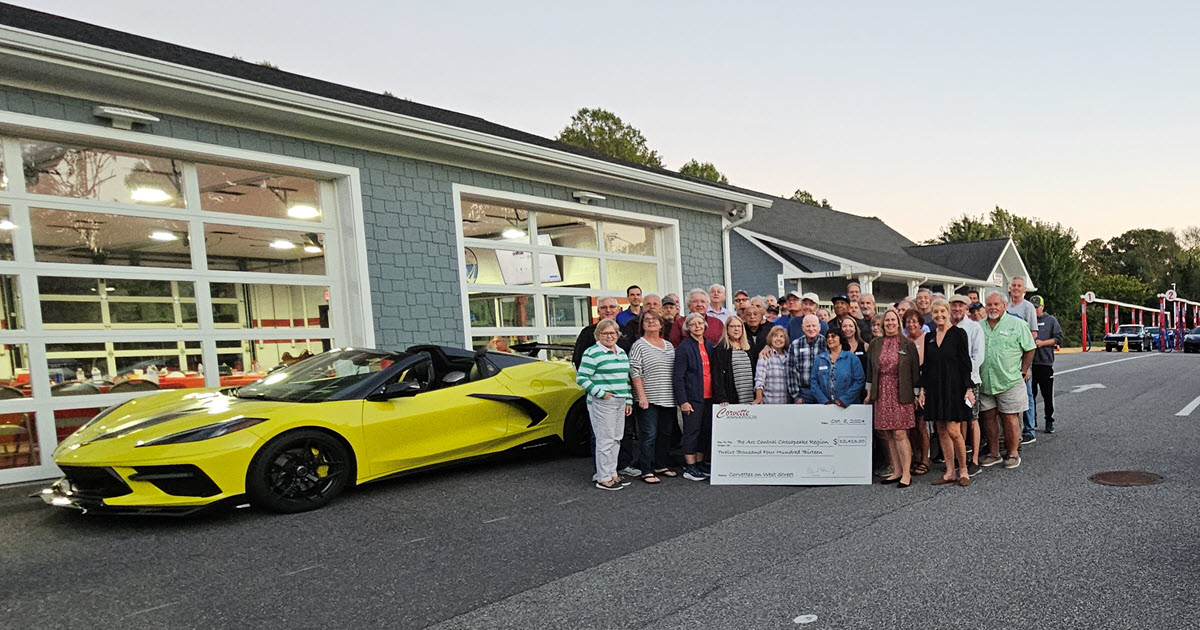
(801, 445)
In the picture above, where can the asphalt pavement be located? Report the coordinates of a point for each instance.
(527, 542)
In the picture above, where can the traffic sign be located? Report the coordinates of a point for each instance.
(1089, 297)
(1171, 295)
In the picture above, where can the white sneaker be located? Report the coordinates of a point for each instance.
(630, 471)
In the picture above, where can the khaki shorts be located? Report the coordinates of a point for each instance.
(1013, 400)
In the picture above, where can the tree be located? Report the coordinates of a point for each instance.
(803, 196)
(1048, 250)
(603, 131)
(1151, 256)
(1189, 237)
(704, 170)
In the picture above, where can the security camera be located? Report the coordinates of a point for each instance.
(736, 212)
(585, 197)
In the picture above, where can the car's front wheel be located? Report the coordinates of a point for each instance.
(298, 471)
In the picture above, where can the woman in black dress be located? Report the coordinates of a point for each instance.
(946, 390)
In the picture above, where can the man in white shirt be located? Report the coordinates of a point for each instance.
(716, 306)
(959, 305)
(1020, 307)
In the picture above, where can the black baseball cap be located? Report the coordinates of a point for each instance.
(841, 298)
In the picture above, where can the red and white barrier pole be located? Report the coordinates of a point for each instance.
(1083, 342)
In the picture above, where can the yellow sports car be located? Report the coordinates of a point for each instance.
(293, 440)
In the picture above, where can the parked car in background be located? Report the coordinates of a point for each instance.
(1137, 335)
(1156, 338)
(1191, 340)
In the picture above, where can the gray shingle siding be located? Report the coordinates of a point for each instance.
(408, 213)
(751, 269)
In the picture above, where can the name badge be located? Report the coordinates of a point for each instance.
(823, 367)
(902, 352)
(1004, 333)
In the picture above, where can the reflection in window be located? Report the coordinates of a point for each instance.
(245, 357)
(67, 236)
(116, 303)
(6, 228)
(577, 272)
(561, 353)
(95, 368)
(620, 238)
(11, 317)
(568, 310)
(240, 248)
(490, 310)
(566, 231)
(269, 306)
(255, 193)
(18, 435)
(500, 343)
(14, 369)
(486, 220)
(87, 173)
(622, 273)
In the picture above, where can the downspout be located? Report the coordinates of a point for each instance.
(729, 289)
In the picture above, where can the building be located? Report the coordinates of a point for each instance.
(166, 207)
(171, 218)
(792, 245)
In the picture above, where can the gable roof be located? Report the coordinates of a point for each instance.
(83, 32)
(865, 240)
(976, 259)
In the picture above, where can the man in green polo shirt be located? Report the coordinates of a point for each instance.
(1008, 353)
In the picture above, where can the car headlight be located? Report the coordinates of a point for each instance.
(206, 432)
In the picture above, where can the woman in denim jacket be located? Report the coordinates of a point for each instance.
(837, 375)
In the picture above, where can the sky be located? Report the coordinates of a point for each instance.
(1083, 113)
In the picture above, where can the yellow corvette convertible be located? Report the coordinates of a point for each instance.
(295, 439)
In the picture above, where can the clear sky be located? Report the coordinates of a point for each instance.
(1080, 112)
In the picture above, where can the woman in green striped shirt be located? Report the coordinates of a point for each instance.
(604, 375)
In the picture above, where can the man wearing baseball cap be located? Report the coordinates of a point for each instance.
(1049, 336)
(806, 304)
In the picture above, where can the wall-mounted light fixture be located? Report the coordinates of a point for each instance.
(123, 117)
(584, 197)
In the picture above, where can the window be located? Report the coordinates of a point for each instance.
(532, 273)
(150, 272)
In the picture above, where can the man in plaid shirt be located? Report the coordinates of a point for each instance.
(801, 356)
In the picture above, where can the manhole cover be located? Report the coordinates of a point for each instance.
(1126, 478)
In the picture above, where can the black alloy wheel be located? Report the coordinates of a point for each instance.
(298, 471)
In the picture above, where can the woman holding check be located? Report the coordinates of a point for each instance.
(837, 375)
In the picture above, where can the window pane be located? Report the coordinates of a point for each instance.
(92, 368)
(3, 173)
(500, 343)
(562, 354)
(121, 303)
(500, 310)
(622, 273)
(621, 238)
(241, 362)
(565, 231)
(568, 310)
(502, 266)
(239, 248)
(6, 228)
(10, 304)
(576, 272)
(86, 173)
(66, 236)
(255, 193)
(14, 370)
(18, 436)
(269, 306)
(494, 222)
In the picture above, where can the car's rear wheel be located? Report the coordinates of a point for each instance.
(298, 471)
(577, 430)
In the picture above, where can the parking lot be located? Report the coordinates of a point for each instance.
(528, 543)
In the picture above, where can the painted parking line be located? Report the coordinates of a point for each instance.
(1088, 367)
(1187, 410)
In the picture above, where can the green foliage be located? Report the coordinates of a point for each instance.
(1151, 256)
(1048, 250)
(705, 170)
(803, 196)
(1119, 287)
(605, 132)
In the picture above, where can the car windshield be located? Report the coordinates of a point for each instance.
(1152, 330)
(322, 377)
(1195, 331)
(1129, 330)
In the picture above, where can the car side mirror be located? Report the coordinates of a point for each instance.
(403, 389)
(457, 377)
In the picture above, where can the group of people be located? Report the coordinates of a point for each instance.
(650, 373)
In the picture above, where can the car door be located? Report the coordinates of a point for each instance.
(436, 425)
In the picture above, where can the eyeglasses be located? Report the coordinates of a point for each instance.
(610, 332)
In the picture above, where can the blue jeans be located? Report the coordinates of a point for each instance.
(1030, 418)
(654, 437)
